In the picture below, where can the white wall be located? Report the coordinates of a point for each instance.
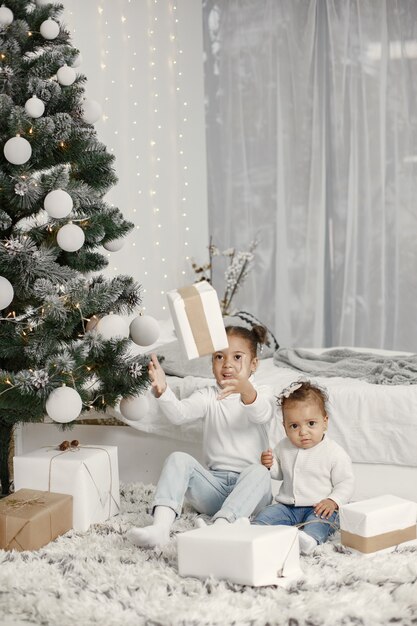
(142, 455)
(144, 63)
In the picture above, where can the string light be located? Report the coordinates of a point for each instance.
(146, 57)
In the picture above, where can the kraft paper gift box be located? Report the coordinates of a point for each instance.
(378, 523)
(198, 320)
(246, 555)
(89, 473)
(30, 519)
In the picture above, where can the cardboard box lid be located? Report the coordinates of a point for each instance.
(238, 533)
(377, 515)
(248, 555)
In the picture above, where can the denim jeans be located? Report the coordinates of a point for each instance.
(289, 515)
(218, 493)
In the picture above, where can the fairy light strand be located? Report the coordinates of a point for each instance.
(149, 136)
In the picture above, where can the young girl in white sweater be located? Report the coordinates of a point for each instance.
(237, 415)
(316, 472)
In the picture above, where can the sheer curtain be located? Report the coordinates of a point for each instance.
(311, 112)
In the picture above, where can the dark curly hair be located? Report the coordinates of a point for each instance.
(302, 391)
(255, 336)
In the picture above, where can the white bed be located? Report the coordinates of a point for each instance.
(376, 424)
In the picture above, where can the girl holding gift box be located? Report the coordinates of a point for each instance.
(316, 472)
(237, 416)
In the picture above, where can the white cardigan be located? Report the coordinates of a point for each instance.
(323, 471)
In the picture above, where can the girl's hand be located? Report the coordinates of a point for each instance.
(157, 376)
(267, 458)
(239, 384)
(325, 508)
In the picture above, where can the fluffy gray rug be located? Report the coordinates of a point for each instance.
(98, 577)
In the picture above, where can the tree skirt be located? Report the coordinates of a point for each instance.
(98, 577)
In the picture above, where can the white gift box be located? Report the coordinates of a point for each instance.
(247, 555)
(378, 523)
(88, 473)
(198, 320)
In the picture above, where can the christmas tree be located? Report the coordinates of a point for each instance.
(54, 174)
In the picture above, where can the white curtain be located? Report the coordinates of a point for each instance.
(312, 144)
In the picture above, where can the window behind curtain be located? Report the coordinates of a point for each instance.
(311, 112)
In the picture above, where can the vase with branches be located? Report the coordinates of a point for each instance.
(239, 265)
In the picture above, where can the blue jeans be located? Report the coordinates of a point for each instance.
(289, 515)
(218, 493)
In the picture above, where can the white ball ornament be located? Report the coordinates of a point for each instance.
(49, 29)
(91, 111)
(70, 237)
(66, 75)
(134, 408)
(58, 204)
(64, 404)
(6, 16)
(114, 244)
(34, 107)
(113, 327)
(17, 150)
(6, 292)
(144, 330)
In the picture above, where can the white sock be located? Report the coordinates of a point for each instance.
(307, 542)
(221, 520)
(158, 533)
(200, 523)
(243, 521)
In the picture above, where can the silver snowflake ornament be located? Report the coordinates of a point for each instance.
(136, 370)
(39, 379)
(21, 189)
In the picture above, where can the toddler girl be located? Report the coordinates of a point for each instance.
(316, 472)
(236, 416)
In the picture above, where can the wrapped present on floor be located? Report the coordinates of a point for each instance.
(198, 320)
(89, 473)
(378, 523)
(239, 553)
(30, 519)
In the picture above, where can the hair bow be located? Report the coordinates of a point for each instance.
(285, 393)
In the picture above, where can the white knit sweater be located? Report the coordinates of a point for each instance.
(308, 476)
(234, 434)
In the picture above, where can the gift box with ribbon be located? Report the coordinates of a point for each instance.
(240, 553)
(197, 319)
(378, 523)
(30, 519)
(89, 473)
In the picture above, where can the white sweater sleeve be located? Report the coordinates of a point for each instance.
(342, 478)
(181, 411)
(263, 407)
(276, 471)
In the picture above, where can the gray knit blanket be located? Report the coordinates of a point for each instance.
(376, 369)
